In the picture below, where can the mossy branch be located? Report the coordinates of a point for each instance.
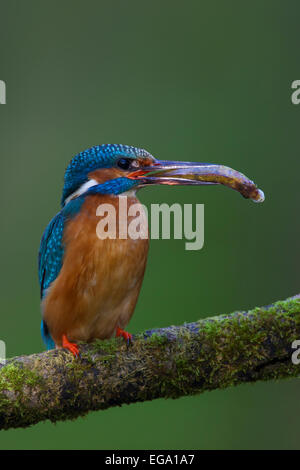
(168, 362)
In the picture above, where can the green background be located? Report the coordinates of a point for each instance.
(196, 80)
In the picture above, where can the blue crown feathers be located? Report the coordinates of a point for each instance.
(100, 156)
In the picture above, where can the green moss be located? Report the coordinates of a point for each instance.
(153, 341)
(14, 377)
(110, 346)
(224, 351)
(157, 339)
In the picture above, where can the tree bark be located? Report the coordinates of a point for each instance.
(170, 362)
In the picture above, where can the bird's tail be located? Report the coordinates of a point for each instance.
(49, 343)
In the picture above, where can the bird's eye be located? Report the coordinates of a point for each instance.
(124, 163)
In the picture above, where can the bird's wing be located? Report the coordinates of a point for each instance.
(51, 252)
(51, 255)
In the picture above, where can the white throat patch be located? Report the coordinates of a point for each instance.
(83, 188)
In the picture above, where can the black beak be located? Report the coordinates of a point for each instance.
(192, 173)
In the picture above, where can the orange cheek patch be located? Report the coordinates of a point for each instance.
(106, 174)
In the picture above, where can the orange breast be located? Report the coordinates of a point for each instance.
(99, 283)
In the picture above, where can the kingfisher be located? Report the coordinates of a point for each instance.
(90, 285)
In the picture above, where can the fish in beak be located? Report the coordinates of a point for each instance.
(195, 174)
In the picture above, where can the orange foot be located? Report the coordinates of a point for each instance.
(72, 347)
(126, 336)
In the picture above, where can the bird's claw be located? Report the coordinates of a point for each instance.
(72, 347)
(127, 336)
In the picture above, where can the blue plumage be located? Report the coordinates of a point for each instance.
(52, 247)
(94, 296)
(46, 337)
(115, 186)
(51, 254)
(50, 263)
(99, 156)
